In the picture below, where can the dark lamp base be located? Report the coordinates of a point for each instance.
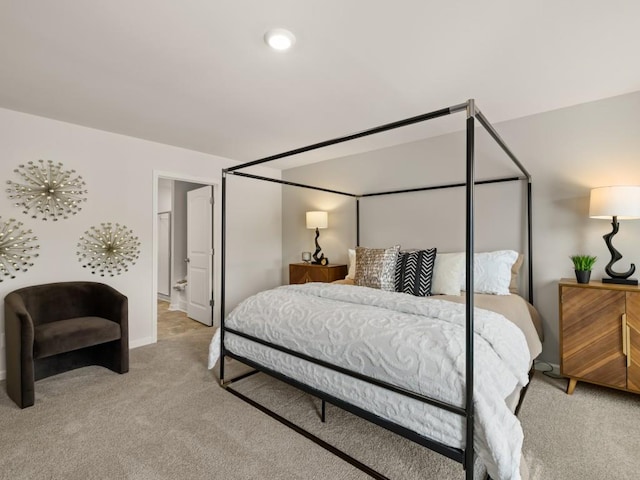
(621, 281)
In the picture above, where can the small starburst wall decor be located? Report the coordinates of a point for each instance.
(16, 248)
(47, 190)
(108, 249)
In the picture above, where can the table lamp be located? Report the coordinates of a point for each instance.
(318, 220)
(621, 202)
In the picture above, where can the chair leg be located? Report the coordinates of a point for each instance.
(22, 372)
(19, 366)
(28, 391)
(20, 384)
(114, 356)
(124, 355)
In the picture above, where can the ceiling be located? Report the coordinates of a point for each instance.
(197, 73)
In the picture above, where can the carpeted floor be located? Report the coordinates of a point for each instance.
(168, 419)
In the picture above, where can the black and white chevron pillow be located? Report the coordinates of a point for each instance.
(414, 271)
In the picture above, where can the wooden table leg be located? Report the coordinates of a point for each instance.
(572, 386)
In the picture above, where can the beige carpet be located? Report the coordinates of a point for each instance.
(168, 419)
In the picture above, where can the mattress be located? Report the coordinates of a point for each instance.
(414, 343)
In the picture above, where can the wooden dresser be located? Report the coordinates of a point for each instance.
(307, 272)
(600, 334)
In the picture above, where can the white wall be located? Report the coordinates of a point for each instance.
(179, 237)
(165, 195)
(119, 172)
(164, 254)
(414, 220)
(254, 236)
(567, 152)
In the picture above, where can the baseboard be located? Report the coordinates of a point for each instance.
(141, 342)
(542, 366)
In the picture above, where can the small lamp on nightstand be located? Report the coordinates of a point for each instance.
(318, 220)
(621, 202)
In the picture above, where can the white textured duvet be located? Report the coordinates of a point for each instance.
(412, 342)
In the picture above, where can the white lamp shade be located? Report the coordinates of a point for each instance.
(317, 220)
(622, 201)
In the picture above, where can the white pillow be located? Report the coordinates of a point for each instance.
(491, 271)
(352, 264)
(447, 271)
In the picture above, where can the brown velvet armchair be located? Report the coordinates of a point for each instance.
(57, 327)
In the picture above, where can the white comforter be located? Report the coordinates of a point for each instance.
(408, 341)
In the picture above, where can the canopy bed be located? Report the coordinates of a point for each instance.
(414, 358)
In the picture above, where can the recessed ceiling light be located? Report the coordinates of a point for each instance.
(279, 39)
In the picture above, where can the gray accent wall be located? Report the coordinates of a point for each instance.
(567, 151)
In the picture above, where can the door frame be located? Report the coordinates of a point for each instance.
(217, 225)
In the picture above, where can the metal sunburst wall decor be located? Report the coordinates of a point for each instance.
(108, 249)
(16, 248)
(47, 190)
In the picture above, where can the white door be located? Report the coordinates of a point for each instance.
(200, 254)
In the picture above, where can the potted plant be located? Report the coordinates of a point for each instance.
(582, 265)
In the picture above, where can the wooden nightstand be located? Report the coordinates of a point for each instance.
(307, 272)
(600, 334)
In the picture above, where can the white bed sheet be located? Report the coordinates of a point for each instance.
(412, 342)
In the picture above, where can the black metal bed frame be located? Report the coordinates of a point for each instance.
(464, 456)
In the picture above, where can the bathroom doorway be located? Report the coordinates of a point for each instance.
(184, 266)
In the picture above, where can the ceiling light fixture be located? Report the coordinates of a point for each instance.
(279, 39)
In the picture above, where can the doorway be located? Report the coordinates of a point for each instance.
(184, 218)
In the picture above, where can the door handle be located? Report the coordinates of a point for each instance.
(624, 334)
(187, 260)
(628, 346)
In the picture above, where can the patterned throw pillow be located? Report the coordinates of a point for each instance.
(376, 267)
(414, 271)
